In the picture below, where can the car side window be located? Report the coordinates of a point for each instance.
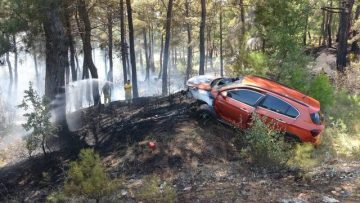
(275, 104)
(279, 106)
(248, 97)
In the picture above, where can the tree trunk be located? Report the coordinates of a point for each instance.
(166, 48)
(305, 29)
(71, 46)
(355, 46)
(221, 46)
(242, 11)
(15, 60)
(110, 75)
(151, 50)
(345, 15)
(122, 42)
(189, 43)
(141, 58)
(161, 56)
(132, 50)
(10, 68)
(36, 67)
(56, 59)
(202, 38)
(323, 28)
(328, 26)
(146, 55)
(87, 48)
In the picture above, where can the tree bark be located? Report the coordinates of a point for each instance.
(87, 48)
(242, 16)
(9, 67)
(202, 38)
(132, 50)
(189, 43)
(110, 75)
(344, 23)
(161, 56)
(221, 46)
(122, 42)
(71, 46)
(166, 48)
(7, 56)
(146, 55)
(323, 28)
(56, 59)
(151, 50)
(328, 27)
(15, 60)
(305, 30)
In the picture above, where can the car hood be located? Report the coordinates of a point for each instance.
(201, 82)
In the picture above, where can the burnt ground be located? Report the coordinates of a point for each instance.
(200, 157)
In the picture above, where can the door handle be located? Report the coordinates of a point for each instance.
(244, 109)
(280, 120)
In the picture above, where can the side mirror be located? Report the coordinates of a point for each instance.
(224, 94)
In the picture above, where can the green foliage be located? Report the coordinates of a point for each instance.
(344, 113)
(38, 121)
(86, 177)
(303, 157)
(154, 191)
(266, 145)
(253, 63)
(321, 89)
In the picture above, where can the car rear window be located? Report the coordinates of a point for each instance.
(275, 104)
(279, 106)
(248, 97)
(292, 112)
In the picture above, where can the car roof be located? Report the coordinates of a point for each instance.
(279, 89)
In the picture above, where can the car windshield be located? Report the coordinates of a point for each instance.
(230, 82)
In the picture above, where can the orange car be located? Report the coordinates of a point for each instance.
(293, 112)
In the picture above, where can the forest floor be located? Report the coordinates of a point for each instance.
(200, 158)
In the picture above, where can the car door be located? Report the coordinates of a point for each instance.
(276, 112)
(237, 106)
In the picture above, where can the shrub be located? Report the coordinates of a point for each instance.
(38, 121)
(266, 145)
(153, 191)
(303, 157)
(321, 89)
(86, 177)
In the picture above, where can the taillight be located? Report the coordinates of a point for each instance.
(315, 132)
